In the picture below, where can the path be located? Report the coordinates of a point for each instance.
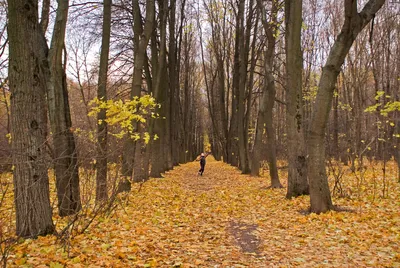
(212, 221)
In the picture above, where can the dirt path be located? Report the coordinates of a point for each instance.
(203, 221)
(216, 178)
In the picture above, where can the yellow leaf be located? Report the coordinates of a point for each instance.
(120, 255)
(20, 261)
(56, 265)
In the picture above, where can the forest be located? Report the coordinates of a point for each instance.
(106, 107)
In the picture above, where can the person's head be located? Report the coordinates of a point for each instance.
(202, 154)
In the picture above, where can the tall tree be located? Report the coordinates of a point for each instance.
(297, 173)
(65, 157)
(188, 93)
(243, 62)
(233, 144)
(137, 164)
(174, 121)
(354, 22)
(159, 150)
(101, 163)
(265, 112)
(28, 119)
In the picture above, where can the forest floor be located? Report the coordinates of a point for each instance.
(225, 219)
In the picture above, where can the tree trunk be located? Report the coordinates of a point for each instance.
(174, 120)
(137, 165)
(244, 53)
(297, 173)
(127, 158)
(65, 158)
(188, 98)
(158, 154)
(336, 125)
(269, 129)
(256, 156)
(44, 18)
(269, 91)
(320, 197)
(101, 162)
(27, 83)
(250, 83)
(233, 135)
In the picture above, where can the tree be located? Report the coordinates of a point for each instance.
(297, 173)
(64, 152)
(265, 115)
(244, 47)
(175, 119)
(354, 22)
(137, 165)
(28, 119)
(159, 150)
(101, 163)
(233, 144)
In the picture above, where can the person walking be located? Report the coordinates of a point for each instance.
(202, 164)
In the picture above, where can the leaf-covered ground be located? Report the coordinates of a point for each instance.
(224, 219)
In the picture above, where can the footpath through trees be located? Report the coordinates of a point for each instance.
(224, 219)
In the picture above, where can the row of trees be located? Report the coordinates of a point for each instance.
(257, 78)
(155, 140)
(243, 75)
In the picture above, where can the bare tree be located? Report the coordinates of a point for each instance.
(142, 34)
(65, 157)
(265, 115)
(101, 163)
(355, 21)
(159, 150)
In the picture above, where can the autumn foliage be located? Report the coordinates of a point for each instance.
(222, 219)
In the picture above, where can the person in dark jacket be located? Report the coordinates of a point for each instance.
(202, 164)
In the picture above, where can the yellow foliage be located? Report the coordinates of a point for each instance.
(124, 113)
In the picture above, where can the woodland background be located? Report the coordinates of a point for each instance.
(123, 91)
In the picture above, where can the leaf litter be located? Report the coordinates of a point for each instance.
(225, 219)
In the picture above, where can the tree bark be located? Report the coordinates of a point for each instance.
(297, 173)
(256, 155)
(269, 129)
(320, 197)
(101, 162)
(27, 83)
(65, 157)
(44, 19)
